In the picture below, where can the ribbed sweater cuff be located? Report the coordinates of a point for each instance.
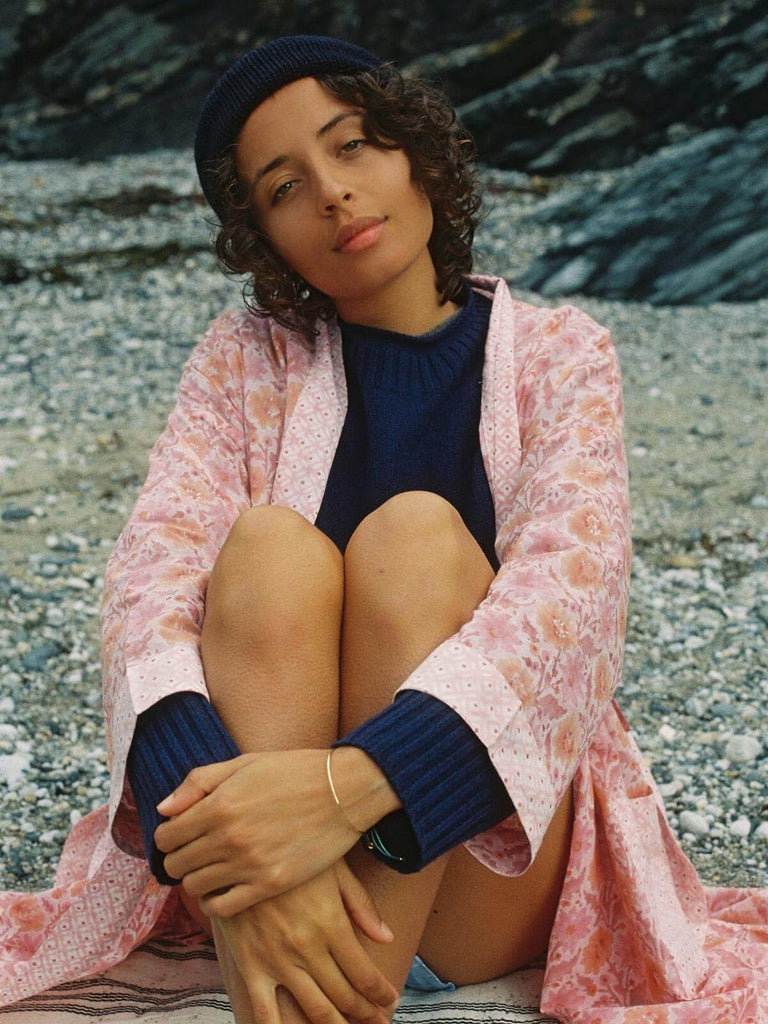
(441, 772)
(179, 733)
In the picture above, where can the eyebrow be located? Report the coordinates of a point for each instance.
(319, 134)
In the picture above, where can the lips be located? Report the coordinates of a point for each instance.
(354, 227)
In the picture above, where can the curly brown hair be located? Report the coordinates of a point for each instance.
(399, 113)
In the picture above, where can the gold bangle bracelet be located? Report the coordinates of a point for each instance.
(335, 797)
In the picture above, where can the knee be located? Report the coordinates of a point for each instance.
(412, 524)
(274, 549)
(277, 532)
(263, 524)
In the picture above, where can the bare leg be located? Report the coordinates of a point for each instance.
(410, 583)
(270, 650)
(271, 655)
(413, 576)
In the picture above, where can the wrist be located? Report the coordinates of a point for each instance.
(363, 789)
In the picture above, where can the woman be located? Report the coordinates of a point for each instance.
(388, 519)
(344, 216)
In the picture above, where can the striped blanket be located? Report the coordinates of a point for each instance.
(162, 982)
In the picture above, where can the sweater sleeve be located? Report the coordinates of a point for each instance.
(175, 735)
(442, 774)
(447, 805)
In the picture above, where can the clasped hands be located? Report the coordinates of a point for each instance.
(259, 824)
(260, 842)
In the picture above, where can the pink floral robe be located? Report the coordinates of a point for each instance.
(637, 938)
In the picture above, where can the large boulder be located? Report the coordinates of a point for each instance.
(686, 225)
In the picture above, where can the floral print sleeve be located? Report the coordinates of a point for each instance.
(204, 470)
(535, 668)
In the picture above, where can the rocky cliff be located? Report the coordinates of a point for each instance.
(669, 97)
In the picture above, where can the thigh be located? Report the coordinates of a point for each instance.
(483, 925)
(270, 638)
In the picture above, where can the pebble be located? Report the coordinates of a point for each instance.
(740, 827)
(37, 658)
(12, 769)
(743, 749)
(693, 822)
(723, 710)
(695, 706)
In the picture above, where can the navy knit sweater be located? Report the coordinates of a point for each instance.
(412, 423)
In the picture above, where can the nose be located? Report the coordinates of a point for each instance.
(332, 192)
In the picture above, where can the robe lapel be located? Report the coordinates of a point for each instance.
(499, 428)
(312, 433)
(314, 427)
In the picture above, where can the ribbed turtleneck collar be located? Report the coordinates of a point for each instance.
(412, 363)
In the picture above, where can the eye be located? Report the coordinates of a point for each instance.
(280, 192)
(352, 145)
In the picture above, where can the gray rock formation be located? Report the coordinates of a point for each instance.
(671, 96)
(686, 225)
(709, 71)
(89, 80)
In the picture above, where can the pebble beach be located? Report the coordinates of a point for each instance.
(110, 281)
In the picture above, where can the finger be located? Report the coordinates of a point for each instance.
(180, 800)
(262, 997)
(325, 996)
(273, 880)
(229, 901)
(184, 828)
(199, 854)
(213, 878)
(199, 783)
(361, 972)
(360, 905)
(233, 979)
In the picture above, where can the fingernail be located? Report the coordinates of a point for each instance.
(388, 933)
(164, 803)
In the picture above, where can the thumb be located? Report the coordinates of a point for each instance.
(360, 905)
(198, 784)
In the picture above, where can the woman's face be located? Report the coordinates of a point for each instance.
(312, 174)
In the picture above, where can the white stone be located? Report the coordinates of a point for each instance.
(12, 768)
(743, 749)
(762, 830)
(672, 788)
(76, 583)
(75, 538)
(693, 822)
(740, 827)
(667, 733)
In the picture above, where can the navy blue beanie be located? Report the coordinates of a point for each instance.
(256, 75)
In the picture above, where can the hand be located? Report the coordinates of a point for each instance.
(304, 940)
(260, 824)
